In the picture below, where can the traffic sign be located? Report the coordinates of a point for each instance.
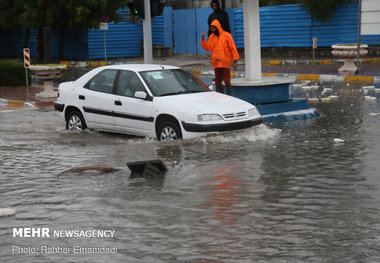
(314, 47)
(314, 42)
(103, 26)
(26, 58)
(104, 18)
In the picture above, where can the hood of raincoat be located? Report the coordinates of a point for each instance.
(217, 24)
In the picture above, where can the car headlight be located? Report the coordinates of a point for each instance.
(253, 112)
(209, 117)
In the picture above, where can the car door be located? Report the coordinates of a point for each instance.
(97, 100)
(132, 115)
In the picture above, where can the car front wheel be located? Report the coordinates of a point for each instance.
(75, 121)
(169, 131)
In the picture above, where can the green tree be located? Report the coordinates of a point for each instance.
(10, 11)
(81, 14)
(46, 14)
(322, 9)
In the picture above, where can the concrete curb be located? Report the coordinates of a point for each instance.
(15, 103)
(302, 77)
(94, 64)
(6, 104)
(11, 103)
(316, 62)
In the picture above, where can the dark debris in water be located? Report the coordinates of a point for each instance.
(90, 170)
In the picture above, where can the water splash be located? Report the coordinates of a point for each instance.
(257, 133)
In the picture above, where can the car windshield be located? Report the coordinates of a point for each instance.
(172, 82)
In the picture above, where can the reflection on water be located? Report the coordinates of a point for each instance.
(284, 192)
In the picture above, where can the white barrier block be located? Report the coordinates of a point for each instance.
(337, 140)
(7, 212)
(324, 100)
(370, 98)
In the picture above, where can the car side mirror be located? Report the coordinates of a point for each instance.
(211, 87)
(140, 95)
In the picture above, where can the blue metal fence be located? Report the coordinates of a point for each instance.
(185, 31)
(122, 40)
(292, 26)
(162, 28)
(125, 39)
(75, 44)
(285, 25)
(341, 28)
(280, 26)
(189, 24)
(202, 15)
(12, 43)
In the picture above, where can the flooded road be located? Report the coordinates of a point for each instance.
(282, 192)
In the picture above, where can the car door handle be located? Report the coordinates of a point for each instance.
(81, 97)
(118, 102)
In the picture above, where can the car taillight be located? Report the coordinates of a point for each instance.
(58, 95)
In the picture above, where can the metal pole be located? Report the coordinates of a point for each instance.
(252, 46)
(359, 32)
(147, 27)
(105, 46)
(26, 77)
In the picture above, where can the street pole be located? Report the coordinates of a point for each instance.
(147, 27)
(314, 47)
(252, 44)
(26, 77)
(359, 32)
(105, 46)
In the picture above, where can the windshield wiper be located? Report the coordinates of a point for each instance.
(173, 93)
(180, 92)
(194, 91)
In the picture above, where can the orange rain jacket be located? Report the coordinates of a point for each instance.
(223, 49)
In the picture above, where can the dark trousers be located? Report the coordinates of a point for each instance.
(222, 74)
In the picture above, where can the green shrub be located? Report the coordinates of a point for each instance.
(12, 73)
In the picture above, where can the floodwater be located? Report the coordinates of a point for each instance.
(282, 192)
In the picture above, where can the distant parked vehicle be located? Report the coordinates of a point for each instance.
(162, 102)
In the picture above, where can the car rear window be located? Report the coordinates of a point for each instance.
(103, 81)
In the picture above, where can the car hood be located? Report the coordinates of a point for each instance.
(207, 102)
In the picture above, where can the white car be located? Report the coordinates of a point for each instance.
(162, 102)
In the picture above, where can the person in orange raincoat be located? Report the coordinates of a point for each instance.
(223, 51)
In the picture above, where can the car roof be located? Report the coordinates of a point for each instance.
(139, 67)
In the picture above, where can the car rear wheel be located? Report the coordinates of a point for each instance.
(169, 131)
(75, 121)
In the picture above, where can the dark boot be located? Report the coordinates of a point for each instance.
(228, 90)
(219, 89)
